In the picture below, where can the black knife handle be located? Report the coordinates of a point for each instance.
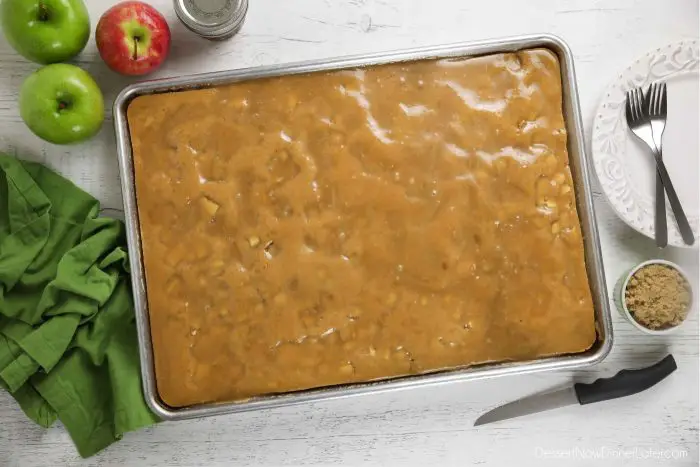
(624, 383)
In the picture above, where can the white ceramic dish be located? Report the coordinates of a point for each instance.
(621, 286)
(625, 168)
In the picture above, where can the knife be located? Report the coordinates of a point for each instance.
(624, 383)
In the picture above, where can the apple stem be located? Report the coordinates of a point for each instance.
(136, 47)
(43, 12)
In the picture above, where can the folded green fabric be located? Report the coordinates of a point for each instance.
(68, 347)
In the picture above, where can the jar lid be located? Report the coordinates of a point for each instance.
(212, 18)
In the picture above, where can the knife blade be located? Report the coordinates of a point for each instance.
(624, 383)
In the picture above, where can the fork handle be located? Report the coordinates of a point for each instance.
(683, 225)
(660, 228)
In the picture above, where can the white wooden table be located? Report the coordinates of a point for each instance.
(423, 426)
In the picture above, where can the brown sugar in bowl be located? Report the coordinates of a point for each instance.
(655, 296)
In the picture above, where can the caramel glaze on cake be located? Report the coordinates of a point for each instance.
(347, 226)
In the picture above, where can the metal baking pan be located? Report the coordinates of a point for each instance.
(582, 186)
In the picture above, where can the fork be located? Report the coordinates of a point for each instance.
(655, 104)
(638, 121)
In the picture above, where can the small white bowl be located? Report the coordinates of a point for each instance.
(621, 286)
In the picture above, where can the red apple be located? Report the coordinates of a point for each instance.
(133, 38)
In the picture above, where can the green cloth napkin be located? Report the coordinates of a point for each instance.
(68, 347)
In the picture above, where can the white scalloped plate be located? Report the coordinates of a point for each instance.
(625, 168)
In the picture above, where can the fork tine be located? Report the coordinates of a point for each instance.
(652, 93)
(628, 107)
(655, 100)
(638, 103)
(662, 108)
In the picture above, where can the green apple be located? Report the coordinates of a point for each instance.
(61, 104)
(45, 31)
